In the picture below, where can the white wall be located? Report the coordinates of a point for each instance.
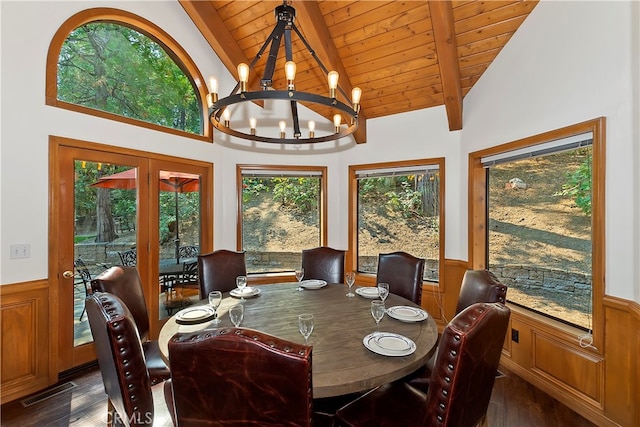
(569, 62)
(26, 31)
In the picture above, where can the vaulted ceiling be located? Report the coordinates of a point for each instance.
(404, 55)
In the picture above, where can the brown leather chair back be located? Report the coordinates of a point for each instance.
(466, 363)
(218, 271)
(121, 359)
(240, 377)
(324, 263)
(480, 286)
(403, 272)
(125, 283)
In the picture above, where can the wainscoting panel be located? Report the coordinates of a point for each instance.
(24, 325)
(579, 372)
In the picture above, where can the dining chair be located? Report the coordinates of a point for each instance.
(240, 377)
(477, 286)
(121, 360)
(188, 251)
(461, 382)
(85, 276)
(188, 279)
(129, 257)
(403, 272)
(218, 270)
(125, 283)
(324, 263)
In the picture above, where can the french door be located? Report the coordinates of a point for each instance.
(109, 206)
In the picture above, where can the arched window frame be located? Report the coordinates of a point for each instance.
(135, 22)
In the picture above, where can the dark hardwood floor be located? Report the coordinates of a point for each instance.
(514, 403)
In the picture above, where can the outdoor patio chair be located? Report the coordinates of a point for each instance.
(85, 276)
(129, 257)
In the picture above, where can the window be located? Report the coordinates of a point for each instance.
(128, 71)
(543, 227)
(540, 228)
(398, 208)
(282, 211)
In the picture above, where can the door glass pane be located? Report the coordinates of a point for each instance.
(105, 227)
(179, 231)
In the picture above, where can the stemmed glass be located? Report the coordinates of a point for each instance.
(383, 291)
(350, 278)
(215, 298)
(377, 311)
(299, 276)
(241, 283)
(305, 325)
(236, 314)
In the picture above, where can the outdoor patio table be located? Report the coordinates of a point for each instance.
(341, 363)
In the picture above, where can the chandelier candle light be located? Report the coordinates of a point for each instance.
(219, 108)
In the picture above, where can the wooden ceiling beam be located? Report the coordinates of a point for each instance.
(208, 21)
(311, 23)
(447, 52)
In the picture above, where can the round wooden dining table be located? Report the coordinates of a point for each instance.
(341, 363)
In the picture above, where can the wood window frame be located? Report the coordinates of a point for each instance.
(478, 214)
(157, 34)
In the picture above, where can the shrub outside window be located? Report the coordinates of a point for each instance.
(281, 212)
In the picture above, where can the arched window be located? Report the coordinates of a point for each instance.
(116, 65)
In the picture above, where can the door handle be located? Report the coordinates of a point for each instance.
(67, 274)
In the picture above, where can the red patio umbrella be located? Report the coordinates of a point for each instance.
(177, 182)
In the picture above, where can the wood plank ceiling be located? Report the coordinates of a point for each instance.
(404, 55)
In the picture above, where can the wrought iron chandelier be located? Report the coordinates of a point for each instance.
(219, 108)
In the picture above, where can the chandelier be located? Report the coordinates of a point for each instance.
(219, 108)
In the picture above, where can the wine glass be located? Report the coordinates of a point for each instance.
(305, 325)
(236, 314)
(350, 278)
(241, 283)
(215, 298)
(299, 276)
(383, 291)
(377, 311)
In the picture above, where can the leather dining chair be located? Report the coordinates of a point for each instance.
(121, 360)
(125, 283)
(403, 272)
(324, 263)
(240, 377)
(218, 270)
(480, 286)
(461, 382)
(477, 286)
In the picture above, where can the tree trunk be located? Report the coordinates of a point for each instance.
(105, 225)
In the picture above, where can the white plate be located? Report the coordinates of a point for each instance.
(193, 315)
(389, 344)
(368, 292)
(405, 313)
(247, 292)
(313, 284)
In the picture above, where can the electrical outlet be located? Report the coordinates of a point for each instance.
(515, 335)
(20, 251)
